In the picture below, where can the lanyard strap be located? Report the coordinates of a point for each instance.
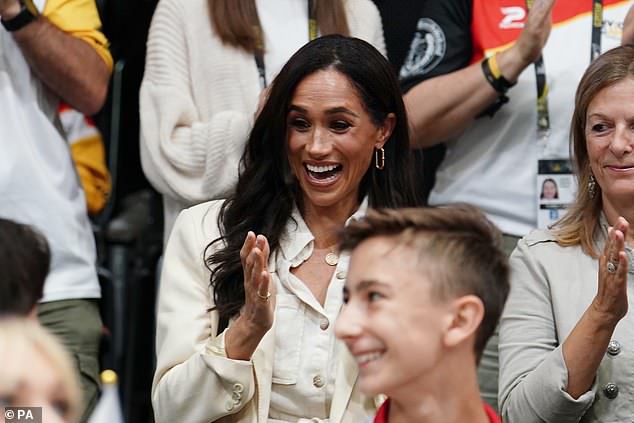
(259, 51)
(543, 116)
(597, 24)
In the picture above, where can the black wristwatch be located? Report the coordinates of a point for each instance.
(27, 14)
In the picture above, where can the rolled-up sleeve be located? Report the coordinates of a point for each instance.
(533, 374)
(80, 18)
(194, 380)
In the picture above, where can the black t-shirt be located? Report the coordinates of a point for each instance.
(426, 38)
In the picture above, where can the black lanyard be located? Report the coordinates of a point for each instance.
(259, 51)
(543, 116)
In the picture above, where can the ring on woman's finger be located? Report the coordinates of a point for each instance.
(612, 267)
(264, 298)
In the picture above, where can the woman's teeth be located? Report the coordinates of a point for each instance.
(321, 169)
(323, 173)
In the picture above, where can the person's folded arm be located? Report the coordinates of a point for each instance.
(66, 64)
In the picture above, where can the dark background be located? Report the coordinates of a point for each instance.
(129, 230)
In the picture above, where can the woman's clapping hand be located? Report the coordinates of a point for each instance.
(259, 302)
(256, 317)
(610, 302)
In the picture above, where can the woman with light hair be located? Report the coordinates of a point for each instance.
(36, 371)
(564, 335)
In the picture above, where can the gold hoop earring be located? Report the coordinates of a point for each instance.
(379, 159)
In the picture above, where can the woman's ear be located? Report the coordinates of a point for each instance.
(468, 312)
(386, 130)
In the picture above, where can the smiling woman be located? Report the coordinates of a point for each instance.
(610, 141)
(331, 141)
(252, 325)
(568, 307)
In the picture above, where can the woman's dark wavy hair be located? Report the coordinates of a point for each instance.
(267, 189)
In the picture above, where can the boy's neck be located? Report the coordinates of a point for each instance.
(449, 395)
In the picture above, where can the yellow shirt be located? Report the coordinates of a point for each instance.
(81, 19)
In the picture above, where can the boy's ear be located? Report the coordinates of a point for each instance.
(468, 312)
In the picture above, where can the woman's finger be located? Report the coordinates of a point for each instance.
(622, 225)
(261, 277)
(249, 242)
(610, 250)
(263, 289)
(622, 267)
(248, 268)
(618, 252)
(266, 251)
(255, 267)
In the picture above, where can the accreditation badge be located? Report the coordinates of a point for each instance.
(556, 189)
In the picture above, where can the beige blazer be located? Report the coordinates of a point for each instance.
(194, 381)
(551, 288)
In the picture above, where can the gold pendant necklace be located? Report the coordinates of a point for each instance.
(331, 259)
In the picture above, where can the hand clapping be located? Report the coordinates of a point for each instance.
(611, 299)
(536, 30)
(259, 302)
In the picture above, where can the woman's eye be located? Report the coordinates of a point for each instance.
(599, 127)
(299, 124)
(340, 125)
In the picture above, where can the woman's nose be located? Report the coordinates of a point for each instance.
(319, 144)
(623, 141)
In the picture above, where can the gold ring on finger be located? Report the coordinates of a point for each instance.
(611, 267)
(264, 298)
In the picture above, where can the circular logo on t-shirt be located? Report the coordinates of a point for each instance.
(427, 49)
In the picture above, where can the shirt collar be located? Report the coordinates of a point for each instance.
(384, 411)
(296, 244)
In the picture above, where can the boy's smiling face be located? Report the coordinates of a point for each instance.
(390, 322)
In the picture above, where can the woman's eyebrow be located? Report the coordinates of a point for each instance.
(345, 110)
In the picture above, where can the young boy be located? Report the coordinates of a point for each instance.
(424, 292)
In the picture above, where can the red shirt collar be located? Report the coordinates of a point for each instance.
(491, 414)
(384, 409)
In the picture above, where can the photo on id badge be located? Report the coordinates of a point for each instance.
(556, 189)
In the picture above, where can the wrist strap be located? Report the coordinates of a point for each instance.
(20, 20)
(499, 83)
(493, 74)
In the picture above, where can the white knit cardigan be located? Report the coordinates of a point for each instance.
(197, 101)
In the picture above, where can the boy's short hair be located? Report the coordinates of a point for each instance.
(459, 248)
(24, 264)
